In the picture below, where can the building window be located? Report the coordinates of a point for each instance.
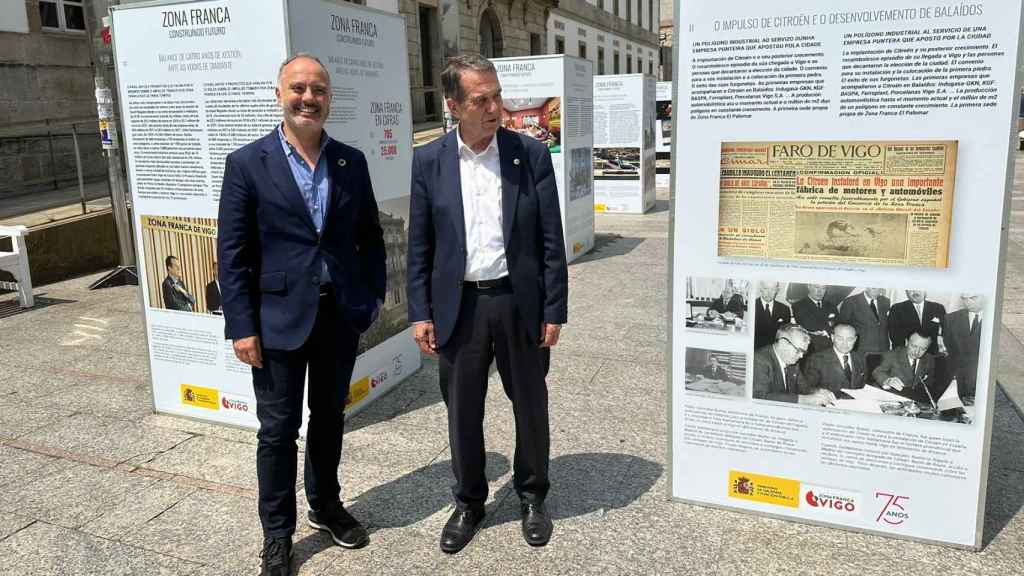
(650, 67)
(629, 64)
(615, 5)
(600, 60)
(629, 10)
(583, 50)
(600, 4)
(62, 15)
(639, 65)
(615, 65)
(650, 14)
(535, 48)
(559, 45)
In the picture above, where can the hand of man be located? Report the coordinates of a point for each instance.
(819, 397)
(550, 334)
(248, 351)
(712, 314)
(893, 383)
(424, 336)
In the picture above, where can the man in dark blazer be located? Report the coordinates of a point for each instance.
(769, 314)
(730, 304)
(909, 371)
(776, 374)
(176, 294)
(302, 274)
(214, 303)
(868, 312)
(487, 279)
(963, 343)
(837, 367)
(714, 370)
(817, 316)
(917, 314)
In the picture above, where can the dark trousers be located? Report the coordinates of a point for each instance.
(330, 353)
(490, 328)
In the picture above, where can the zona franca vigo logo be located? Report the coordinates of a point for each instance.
(831, 500)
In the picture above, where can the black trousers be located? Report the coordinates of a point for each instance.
(330, 353)
(490, 328)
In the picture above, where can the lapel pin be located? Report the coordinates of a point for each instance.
(515, 161)
(341, 162)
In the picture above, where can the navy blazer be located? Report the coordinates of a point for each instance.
(267, 245)
(903, 322)
(823, 369)
(772, 381)
(531, 224)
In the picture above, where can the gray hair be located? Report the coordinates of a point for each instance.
(451, 78)
(296, 56)
(791, 331)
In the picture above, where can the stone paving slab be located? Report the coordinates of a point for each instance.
(91, 482)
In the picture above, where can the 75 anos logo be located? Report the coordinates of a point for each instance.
(893, 511)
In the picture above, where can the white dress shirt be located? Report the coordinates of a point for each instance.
(480, 175)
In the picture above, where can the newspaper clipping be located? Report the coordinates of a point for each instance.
(867, 202)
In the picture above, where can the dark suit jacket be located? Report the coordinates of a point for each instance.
(175, 300)
(213, 299)
(896, 364)
(736, 305)
(720, 374)
(824, 370)
(903, 321)
(769, 381)
(765, 327)
(963, 348)
(267, 245)
(531, 223)
(812, 319)
(872, 334)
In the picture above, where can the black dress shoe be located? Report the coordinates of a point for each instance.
(537, 524)
(460, 529)
(277, 557)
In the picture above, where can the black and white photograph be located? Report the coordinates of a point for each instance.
(717, 305)
(716, 372)
(894, 351)
(581, 179)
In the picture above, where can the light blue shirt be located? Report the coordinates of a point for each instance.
(313, 183)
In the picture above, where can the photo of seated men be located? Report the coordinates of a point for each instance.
(716, 304)
(777, 375)
(932, 373)
(716, 372)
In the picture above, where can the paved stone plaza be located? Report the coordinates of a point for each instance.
(92, 482)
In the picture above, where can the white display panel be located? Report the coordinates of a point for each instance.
(624, 141)
(550, 98)
(196, 81)
(849, 72)
(663, 132)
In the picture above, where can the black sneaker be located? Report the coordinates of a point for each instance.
(345, 530)
(277, 557)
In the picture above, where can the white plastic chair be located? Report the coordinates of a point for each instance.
(16, 263)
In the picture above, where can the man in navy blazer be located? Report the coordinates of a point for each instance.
(487, 279)
(920, 315)
(302, 274)
(838, 367)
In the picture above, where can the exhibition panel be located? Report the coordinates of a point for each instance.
(624, 142)
(550, 98)
(196, 81)
(842, 178)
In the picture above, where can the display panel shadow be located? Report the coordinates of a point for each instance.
(589, 482)
(609, 246)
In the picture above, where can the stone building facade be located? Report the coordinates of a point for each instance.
(438, 29)
(46, 85)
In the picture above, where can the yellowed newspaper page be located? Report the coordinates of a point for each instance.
(866, 202)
